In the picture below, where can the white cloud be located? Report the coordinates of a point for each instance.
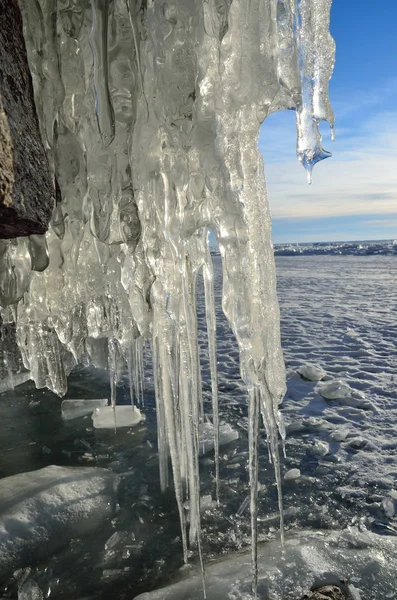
(360, 178)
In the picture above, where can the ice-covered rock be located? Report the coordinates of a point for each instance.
(206, 436)
(320, 448)
(75, 408)
(109, 417)
(292, 474)
(311, 372)
(344, 394)
(339, 435)
(334, 390)
(308, 560)
(388, 507)
(357, 443)
(43, 510)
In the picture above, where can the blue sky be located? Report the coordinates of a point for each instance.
(354, 193)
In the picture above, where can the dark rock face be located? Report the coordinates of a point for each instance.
(26, 189)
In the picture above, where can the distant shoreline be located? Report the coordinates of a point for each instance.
(355, 248)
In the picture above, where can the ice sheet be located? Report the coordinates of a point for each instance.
(367, 561)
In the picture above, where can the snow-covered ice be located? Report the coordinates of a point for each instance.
(41, 511)
(346, 454)
(367, 561)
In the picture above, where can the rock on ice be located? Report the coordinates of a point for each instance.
(311, 372)
(109, 417)
(43, 510)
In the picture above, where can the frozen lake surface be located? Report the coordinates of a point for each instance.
(339, 321)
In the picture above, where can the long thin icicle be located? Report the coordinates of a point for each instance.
(189, 301)
(162, 442)
(272, 429)
(113, 376)
(130, 358)
(253, 435)
(208, 276)
(172, 434)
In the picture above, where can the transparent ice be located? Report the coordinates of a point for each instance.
(109, 417)
(150, 114)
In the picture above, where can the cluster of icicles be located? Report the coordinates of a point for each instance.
(150, 113)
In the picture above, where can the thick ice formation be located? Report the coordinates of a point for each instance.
(150, 113)
(43, 510)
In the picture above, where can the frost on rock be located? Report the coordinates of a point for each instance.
(150, 115)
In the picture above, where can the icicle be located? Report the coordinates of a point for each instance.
(272, 428)
(172, 431)
(134, 360)
(9, 383)
(315, 51)
(192, 406)
(162, 443)
(324, 51)
(282, 430)
(253, 433)
(113, 376)
(208, 276)
(193, 373)
(99, 43)
(140, 371)
(131, 368)
(137, 50)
